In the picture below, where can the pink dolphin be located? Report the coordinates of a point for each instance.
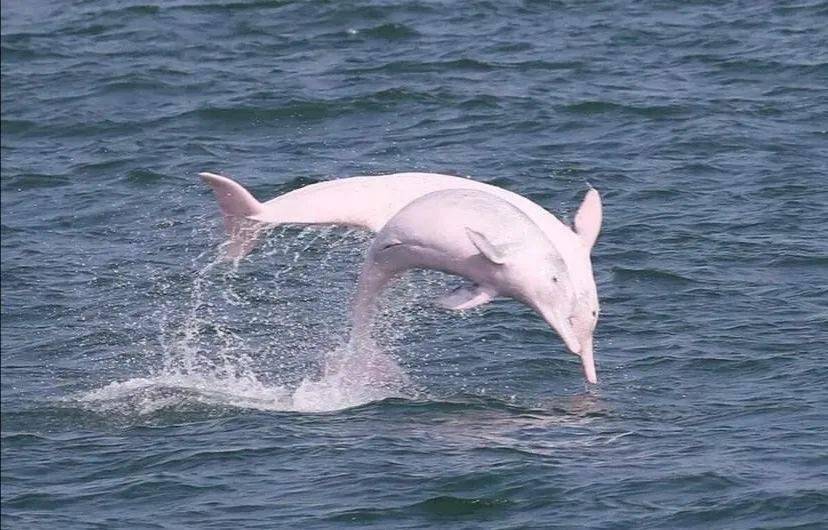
(482, 238)
(370, 202)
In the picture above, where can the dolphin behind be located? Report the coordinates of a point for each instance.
(362, 202)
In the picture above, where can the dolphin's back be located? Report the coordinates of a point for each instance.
(439, 220)
(369, 202)
(364, 202)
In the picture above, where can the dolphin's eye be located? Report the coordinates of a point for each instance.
(555, 279)
(594, 313)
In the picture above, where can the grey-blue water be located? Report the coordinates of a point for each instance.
(145, 384)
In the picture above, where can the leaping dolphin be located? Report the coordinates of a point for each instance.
(370, 202)
(484, 239)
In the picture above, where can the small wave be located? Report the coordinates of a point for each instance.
(450, 505)
(308, 109)
(17, 48)
(17, 126)
(434, 507)
(123, 12)
(416, 67)
(390, 31)
(228, 7)
(647, 111)
(651, 275)
(143, 177)
(33, 181)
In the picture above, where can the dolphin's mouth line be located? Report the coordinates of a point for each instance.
(391, 245)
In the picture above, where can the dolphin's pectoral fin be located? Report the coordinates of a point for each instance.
(465, 297)
(487, 249)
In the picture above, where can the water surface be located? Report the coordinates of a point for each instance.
(145, 384)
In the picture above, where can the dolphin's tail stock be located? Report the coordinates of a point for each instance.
(237, 206)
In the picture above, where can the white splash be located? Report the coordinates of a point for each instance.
(345, 383)
(206, 361)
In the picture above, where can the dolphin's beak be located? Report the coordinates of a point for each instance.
(569, 338)
(564, 329)
(581, 348)
(588, 362)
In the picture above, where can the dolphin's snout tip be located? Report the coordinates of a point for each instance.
(588, 363)
(589, 373)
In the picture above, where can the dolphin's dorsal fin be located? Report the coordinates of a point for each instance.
(588, 219)
(465, 297)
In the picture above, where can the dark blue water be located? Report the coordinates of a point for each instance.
(147, 385)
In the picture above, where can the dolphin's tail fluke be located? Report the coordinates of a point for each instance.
(237, 206)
